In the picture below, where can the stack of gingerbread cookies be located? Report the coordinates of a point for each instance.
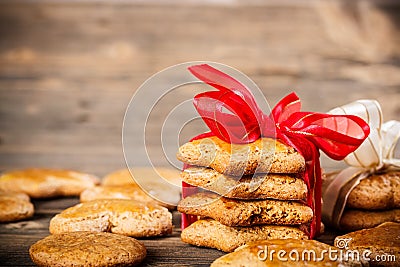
(375, 200)
(248, 192)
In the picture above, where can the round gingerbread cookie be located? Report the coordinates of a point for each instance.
(87, 249)
(46, 183)
(119, 216)
(15, 206)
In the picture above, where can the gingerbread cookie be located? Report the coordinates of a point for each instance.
(123, 176)
(377, 192)
(381, 241)
(87, 249)
(234, 212)
(211, 233)
(44, 183)
(360, 219)
(265, 155)
(258, 254)
(276, 186)
(162, 184)
(128, 191)
(15, 206)
(120, 216)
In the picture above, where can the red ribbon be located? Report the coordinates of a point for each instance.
(307, 132)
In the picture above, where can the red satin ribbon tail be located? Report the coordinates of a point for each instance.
(188, 189)
(314, 199)
(312, 177)
(187, 219)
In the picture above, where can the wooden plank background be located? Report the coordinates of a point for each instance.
(68, 70)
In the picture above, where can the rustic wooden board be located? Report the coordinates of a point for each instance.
(68, 70)
(17, 237)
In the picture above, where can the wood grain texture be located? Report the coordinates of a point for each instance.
(17, 237)
(68, 70)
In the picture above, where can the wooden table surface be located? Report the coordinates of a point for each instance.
(68, 70)
(16, 238)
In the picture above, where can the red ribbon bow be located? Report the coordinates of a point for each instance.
(307, 132)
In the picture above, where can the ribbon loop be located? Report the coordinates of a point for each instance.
(378, 152)
(391, 146)
(369, 154)
(241, 125)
